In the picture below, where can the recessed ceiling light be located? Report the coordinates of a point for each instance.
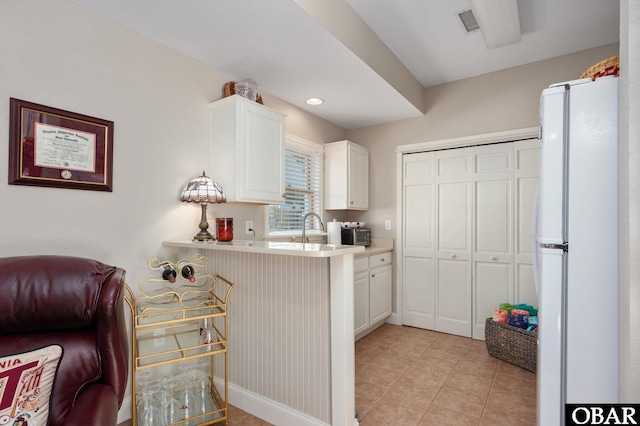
(315, 101)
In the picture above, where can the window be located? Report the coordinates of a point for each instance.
(303, 177)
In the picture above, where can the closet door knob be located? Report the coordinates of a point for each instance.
(452, 255)
(493, 258)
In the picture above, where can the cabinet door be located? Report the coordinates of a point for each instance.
(380, 293)
(358, 177)
(247, 156)
(260, 154)
(361, 302)
(346, 176)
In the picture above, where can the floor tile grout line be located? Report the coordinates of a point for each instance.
(486, 402)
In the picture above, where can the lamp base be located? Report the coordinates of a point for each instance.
(203, 235)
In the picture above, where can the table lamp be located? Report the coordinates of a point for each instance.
(205, 191)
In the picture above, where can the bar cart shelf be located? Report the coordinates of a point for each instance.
(179, 323)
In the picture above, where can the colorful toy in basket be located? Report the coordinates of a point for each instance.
(520, 316)
(500, 315)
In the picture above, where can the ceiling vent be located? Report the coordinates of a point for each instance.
(468, 21)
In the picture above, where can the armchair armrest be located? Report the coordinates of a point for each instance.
(96, 405)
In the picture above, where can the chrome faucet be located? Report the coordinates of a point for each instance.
(304, 227)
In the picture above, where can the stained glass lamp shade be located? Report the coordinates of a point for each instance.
(203, 190)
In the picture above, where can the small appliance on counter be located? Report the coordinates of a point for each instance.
(356, 236)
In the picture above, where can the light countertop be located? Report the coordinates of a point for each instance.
(271, 247)
(377, 246)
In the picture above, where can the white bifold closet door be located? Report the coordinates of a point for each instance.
(467, 234)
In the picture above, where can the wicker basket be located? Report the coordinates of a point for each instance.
(609, 66)
(511, 344)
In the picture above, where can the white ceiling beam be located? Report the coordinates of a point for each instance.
(339, 18)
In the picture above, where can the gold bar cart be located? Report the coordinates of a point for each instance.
(178, 324)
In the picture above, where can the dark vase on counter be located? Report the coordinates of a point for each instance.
(225, 228)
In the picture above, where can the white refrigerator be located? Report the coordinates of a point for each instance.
(577, 239)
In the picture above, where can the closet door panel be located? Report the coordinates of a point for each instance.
(453, 266)
(493, 158)
(527, 154)
(419, 218)
(493, 257)
(493, 217)
(419, 293)
(419, 168)
(419, 204)
(526, 192)
(454, 297)
(525, 290)
(453, 216)
(453, 163)
(419, 240)
(493, 232)
(493, 282)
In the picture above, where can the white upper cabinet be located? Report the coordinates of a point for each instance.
(248, 150)
(346, 176)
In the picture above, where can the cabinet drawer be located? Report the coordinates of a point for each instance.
(380, 259)
(360, 264)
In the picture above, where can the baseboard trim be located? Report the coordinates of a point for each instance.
(264, 408)
(267, 409)
(394, 319)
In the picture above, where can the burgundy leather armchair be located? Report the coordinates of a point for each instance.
(78, 304)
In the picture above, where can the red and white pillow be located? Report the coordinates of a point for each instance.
(26, 382)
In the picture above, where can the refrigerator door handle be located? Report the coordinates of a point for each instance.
(564, 247)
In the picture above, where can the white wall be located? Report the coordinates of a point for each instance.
(57, 54)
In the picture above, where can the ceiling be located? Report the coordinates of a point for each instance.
(368, 59)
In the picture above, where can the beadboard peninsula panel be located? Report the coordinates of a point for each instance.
(279, 328)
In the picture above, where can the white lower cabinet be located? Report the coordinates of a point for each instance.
(372, 292)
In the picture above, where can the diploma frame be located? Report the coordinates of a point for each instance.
(55, 148)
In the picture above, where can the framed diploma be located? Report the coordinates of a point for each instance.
(62, 149)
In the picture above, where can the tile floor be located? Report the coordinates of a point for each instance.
(412, 377)
(409, 376)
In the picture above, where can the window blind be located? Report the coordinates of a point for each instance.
(303, 176)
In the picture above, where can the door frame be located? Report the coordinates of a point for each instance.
(401, 150)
